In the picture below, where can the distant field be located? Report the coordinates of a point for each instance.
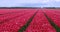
(30, 20)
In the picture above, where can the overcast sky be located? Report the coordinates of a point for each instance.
(29, 3)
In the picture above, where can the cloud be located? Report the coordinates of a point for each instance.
(29, 3)
(57, 0)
